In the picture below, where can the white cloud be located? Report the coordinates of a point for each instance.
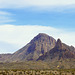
(36, 3)
(5, 13)
(19, 36)
(5, 17)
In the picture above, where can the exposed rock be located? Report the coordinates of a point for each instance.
(59, 44)
(60, 51)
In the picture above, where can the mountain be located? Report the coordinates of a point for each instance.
(61, 51)
(41, 47)
(38, 46)
(43, 51)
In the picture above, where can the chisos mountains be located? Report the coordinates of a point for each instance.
(41, 48)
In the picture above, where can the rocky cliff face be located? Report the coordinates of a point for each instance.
(60, 51)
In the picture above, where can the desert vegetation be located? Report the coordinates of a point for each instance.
(39, 65)
(35, 68)
(37, 72)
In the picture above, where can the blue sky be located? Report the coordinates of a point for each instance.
(26, 16)
(22, 17)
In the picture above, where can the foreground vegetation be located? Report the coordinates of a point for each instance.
(37, 72)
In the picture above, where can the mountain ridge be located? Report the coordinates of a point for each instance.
(41, 47)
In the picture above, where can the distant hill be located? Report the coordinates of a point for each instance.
(4, 57)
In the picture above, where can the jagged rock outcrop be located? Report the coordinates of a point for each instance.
(60, 51)
(59, 44)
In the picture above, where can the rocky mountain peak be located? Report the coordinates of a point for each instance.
(59, 41)
(41, 36)
(59, 44)
(38, 46)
